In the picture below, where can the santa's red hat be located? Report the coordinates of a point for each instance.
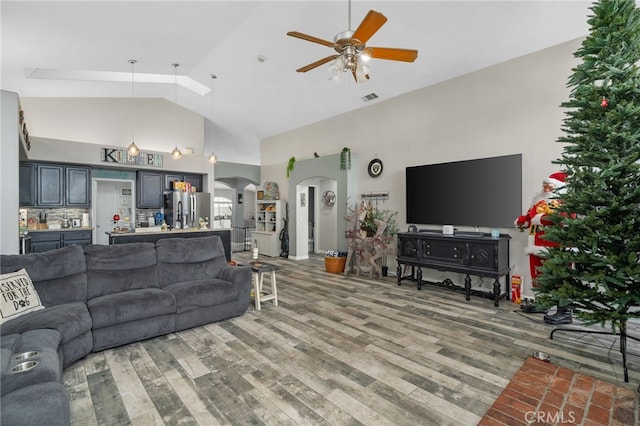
(556, 179)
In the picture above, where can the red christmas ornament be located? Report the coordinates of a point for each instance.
(604, 103)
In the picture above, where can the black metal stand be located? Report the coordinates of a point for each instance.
(623, 342)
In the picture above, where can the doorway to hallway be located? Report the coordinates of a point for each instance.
(316, 223)
(312, 219)
(111, 197)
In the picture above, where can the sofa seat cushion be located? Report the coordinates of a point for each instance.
(130, 305)
(41, 404)
(70, 319)
(43, 345)
(196, 294)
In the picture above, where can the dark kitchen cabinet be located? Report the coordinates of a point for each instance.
(44, 241)
(169, 178)
(54, 185)
(50, 185)
(27, 184)
(77, 186)
(149, 190)
(194, 180)
(49, 240)
(81, 238)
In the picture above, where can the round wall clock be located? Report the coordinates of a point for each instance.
(375, 168)
(329, 198)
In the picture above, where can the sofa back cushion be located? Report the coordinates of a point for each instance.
(121, 267)
(59, 276)
(187, 259)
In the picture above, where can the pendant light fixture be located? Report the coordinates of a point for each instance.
(212, 158)
(133, 148)
(176, 153)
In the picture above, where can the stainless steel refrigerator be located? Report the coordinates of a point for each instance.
(182, 210)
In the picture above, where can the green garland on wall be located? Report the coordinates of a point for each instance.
(345, 159)
(290, 165)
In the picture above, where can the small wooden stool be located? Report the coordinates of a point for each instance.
(260, 269)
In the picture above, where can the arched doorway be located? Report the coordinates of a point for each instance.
(322, 174)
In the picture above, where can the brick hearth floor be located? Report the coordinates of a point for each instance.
(541, 393)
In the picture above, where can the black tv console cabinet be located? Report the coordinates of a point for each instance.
(469, 253)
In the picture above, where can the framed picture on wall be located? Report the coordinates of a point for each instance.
(260, 195)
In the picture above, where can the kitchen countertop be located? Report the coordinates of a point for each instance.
(87, 228)
(174, 231)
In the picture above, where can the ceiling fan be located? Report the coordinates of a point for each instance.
(352, 50)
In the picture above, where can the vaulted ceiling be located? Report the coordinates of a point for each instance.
(257, 92)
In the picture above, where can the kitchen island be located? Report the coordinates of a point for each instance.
(153, 236)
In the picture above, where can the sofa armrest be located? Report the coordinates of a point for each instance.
(240, 275)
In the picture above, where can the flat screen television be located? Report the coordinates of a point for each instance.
(485, 192)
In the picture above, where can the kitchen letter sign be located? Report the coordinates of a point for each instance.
(122, 156)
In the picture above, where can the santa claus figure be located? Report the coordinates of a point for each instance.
(535, 220)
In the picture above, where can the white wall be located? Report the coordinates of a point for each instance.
(9, 156)
(156, 124)
(508, 108)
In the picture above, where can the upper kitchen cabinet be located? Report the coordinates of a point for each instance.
(168, 180)
(194, 180)
(50, 185)
(149, 190)
(27, 178)
(77, 186)
(54, 185)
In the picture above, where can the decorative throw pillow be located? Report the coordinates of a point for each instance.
(18, 296)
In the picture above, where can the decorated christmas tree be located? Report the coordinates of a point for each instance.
(595, 270)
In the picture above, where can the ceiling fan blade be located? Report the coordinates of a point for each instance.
(369, 25)
(310, 38)
(405, 55)
(317, 63)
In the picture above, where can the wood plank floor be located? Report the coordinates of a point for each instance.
(336, 351)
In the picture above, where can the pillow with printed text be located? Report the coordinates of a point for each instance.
(18, 296)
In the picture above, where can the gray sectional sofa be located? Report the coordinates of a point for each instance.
(102, 297)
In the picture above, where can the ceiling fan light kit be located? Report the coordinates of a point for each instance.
(352, 50)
